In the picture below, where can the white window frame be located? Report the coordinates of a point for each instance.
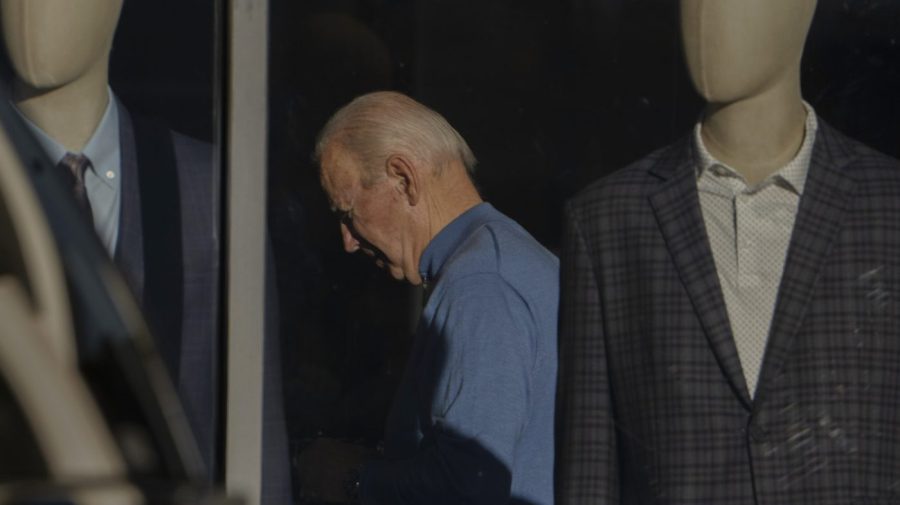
(246, 203)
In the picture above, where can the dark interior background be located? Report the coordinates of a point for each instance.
(162, 63)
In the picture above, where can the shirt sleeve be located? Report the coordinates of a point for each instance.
(480, 381)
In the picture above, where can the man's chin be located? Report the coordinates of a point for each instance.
(394, 271)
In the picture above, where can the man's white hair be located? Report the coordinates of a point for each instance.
(377, 125)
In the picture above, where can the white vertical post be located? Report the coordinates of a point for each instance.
(246, 193)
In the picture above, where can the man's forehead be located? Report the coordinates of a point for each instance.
(337, 174)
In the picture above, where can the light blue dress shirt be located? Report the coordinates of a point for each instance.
(102, 181)
(472, 419)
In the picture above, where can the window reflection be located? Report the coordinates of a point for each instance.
(99, 82)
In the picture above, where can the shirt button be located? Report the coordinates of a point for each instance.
(110, 174)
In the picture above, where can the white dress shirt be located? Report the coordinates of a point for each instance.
(749, 229)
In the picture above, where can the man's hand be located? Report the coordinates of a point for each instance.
(325, 468)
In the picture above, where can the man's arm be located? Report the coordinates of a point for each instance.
(479, 381)
(586, 461)
(449, 468)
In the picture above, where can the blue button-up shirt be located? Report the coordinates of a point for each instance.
(472, 421)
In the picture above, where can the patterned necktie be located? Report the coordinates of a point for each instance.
(74, 166)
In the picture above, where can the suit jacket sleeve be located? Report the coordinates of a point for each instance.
(587, 467)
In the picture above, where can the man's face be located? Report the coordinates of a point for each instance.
(373, 220)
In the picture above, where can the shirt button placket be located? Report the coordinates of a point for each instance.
(743, 252)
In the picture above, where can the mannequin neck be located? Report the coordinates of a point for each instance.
(757, 135)
(68, 113)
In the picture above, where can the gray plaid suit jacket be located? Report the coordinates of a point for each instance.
(652, 403)
(193, 344)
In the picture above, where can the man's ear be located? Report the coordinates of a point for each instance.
(406, 176)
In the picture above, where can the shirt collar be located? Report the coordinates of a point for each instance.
(102, 149)
(444, 244)
(793, 173)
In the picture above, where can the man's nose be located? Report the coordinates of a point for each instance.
(351, 245)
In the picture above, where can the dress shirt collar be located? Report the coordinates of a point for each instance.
(445, 243)
(102, 149)
(794, 173)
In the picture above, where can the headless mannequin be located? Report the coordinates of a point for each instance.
(744, 60)
(59, 50)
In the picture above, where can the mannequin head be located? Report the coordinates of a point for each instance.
(54, 42)
(736, 49)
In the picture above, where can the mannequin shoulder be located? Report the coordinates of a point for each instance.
(191, 152)
(863, 161)
(633, 183)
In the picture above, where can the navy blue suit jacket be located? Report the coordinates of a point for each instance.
(179, 293)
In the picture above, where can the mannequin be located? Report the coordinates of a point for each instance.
(716, 295)
(59, 50)
(744, 60)
(151, 198)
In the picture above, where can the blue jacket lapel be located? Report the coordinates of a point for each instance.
(157, 279)
(129, 255)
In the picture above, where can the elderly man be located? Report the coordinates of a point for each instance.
(472, 421)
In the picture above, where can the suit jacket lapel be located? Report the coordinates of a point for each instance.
(129, 255)
(822, 208)
(677, 208)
